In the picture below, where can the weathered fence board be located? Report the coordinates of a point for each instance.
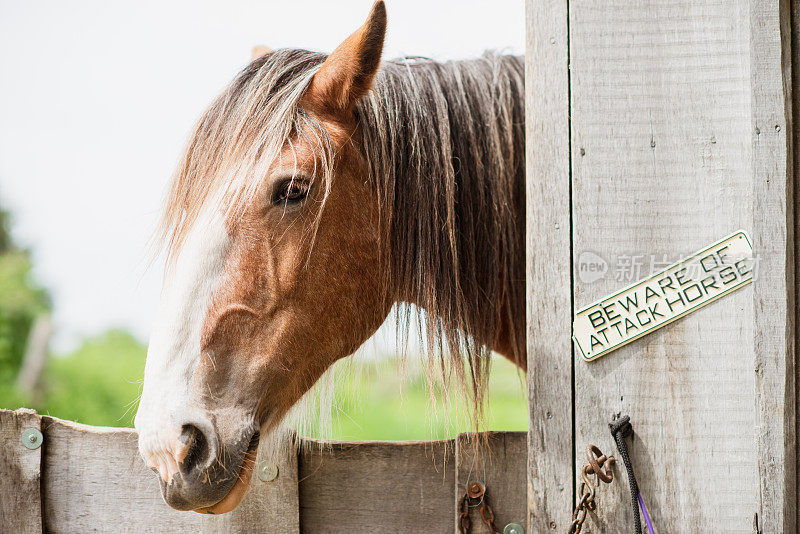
(377, 486)
(775, 291)
(549, 287)
(20, 473)
(794, 127)
(496, 459)
(661, 163)
(269, 506)
(94, 480)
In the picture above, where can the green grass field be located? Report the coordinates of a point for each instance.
(99, 384)
(387, 401)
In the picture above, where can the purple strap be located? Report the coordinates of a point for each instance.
(646, 515)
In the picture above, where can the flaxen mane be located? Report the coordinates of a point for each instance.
(444, 145)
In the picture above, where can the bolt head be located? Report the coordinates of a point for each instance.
(31, 438)
(267, 471)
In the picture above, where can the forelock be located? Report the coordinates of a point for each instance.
(239, 137)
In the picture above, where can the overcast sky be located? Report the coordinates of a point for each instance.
(97, 99)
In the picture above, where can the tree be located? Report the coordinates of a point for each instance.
(21, 301)
(5, 234)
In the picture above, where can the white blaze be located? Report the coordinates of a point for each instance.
(174, 348)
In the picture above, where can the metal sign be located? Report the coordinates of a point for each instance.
(669, 294)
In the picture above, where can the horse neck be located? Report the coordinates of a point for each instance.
(454, 195)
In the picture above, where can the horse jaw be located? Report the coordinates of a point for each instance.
(238, 491)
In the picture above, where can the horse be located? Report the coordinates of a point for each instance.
(316, 193)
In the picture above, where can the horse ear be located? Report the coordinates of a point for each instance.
(259, 51)
(347, 74)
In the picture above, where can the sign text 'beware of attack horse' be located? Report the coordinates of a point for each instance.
(661, 298)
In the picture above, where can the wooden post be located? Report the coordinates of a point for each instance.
(679, 133)
(549, 303)
(774, 238)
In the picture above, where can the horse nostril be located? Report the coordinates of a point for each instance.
(198, 453)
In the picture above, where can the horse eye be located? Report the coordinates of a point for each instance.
(291, 191)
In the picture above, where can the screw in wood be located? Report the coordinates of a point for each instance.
(267, 471)
(32, 438)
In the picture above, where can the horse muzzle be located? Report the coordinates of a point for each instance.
(198, 468)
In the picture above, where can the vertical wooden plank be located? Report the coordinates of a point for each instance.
(775, 290)
(662, 141)
(376, 487)
(549, 296)
(499, 463)
(20, 474)
(94, 480)
(794, 9)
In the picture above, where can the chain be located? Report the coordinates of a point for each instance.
(598, 466)
(475, 495)
(586, 493)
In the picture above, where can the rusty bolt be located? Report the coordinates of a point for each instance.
(475, 490)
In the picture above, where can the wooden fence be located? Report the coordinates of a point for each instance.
(91, 479)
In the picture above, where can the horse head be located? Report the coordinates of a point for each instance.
(315, 193)
(275, 268)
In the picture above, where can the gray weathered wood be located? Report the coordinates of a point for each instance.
(662, 146)
(377, 487)
(20, 473)
(549, 296)
(795, 153)
(94, 480)
(498, 460)
(269, 507)
(775, 290)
